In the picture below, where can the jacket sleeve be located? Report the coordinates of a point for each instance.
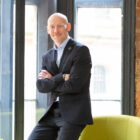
(79, 74)
(48, 84)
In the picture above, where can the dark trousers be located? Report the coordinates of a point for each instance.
(53, 127)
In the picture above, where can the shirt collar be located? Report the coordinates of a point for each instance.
(62, 46)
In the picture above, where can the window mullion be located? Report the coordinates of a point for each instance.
(19, 69)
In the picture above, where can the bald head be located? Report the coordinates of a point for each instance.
(59, 15)
(58, 27)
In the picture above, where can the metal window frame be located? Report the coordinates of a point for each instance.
(67, 7)
(128, 70)
(19, 62)
(19, 69)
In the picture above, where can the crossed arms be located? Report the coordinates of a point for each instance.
(70, 83)
(45, 74)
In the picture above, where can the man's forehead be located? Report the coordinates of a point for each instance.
(56, 20)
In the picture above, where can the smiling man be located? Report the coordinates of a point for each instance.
(58, 28)
(66, 75)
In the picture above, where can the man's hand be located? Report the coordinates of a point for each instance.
(44, 74)
(66, 76)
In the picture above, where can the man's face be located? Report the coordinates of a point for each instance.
(58, 29)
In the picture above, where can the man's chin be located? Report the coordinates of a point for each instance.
(57, 41)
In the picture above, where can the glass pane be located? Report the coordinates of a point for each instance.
(6, 70)
(36, 44)
(100, 28)
(30, 69)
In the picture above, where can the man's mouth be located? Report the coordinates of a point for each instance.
(57, 35)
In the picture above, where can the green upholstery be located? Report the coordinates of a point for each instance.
(121, 127)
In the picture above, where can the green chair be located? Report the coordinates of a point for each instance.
(121, 127)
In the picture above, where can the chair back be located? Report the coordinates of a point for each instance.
(121, 127)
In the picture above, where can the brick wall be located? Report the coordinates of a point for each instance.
(137, 73)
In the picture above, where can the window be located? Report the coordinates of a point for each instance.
(99, 83)
(99, 26)
(30, 69)
(10, 99)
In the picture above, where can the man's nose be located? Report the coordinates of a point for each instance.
(56, 29)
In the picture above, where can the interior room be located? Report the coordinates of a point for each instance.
(111, 31)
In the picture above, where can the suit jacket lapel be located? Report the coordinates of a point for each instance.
(66, 53)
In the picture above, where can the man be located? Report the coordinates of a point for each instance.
(66, 75)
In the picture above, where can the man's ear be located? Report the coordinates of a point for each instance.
(68, 27)
(48, 30)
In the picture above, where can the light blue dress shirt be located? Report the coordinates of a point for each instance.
(60, 50)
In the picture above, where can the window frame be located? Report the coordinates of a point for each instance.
(19, 57)
(19, 69)
(128, 56)
(128, 50)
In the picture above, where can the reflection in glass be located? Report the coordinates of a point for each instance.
(99, 80)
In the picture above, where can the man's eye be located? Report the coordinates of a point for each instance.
(60, 26)
(52, 27)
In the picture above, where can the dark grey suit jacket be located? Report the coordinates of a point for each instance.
(73, 94)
